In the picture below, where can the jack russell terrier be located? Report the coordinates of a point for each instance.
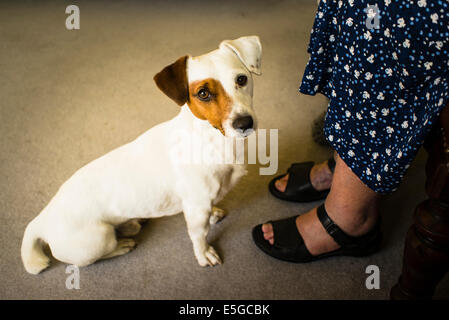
(142, 180)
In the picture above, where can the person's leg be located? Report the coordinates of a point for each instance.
(350, 204)
(320, 177)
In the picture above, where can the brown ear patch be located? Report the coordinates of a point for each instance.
(217, 110)
(172, 81)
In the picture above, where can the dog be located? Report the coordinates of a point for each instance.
(141, 180)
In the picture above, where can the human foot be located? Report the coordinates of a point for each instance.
(320, 178)
(290, 243)
(316, 239)
(353, 213)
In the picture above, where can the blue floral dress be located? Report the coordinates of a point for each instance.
(385, 70)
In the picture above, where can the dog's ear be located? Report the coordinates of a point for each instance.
(249, 51)
(172, 81)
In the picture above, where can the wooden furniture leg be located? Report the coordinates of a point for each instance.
(426, 252)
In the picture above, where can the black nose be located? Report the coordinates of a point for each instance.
(243, 123)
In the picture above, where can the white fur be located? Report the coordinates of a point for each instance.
(224, 65)
(142, 180)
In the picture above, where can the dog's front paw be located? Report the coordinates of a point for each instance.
(217, 215)
(209, 258)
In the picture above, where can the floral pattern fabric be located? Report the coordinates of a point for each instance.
(386, 85)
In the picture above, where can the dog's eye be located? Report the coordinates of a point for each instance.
(242, 80)
(204, 94)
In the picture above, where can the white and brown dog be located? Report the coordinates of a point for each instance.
(142, 180)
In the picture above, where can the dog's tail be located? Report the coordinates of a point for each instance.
(33, 256)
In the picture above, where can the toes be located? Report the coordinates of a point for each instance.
(219, 212)
(209, 258)
(217, 215)
(126, 244)
(268, 235)
(267, 227)
(281, 184)
(213, 219)
(213, 257)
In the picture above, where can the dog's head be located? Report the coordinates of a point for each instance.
(217, 86)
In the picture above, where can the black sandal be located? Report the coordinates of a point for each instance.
(289, 245)
(299, 188)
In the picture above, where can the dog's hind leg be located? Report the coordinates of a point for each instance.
(129, 228)
(123, 246)
(84, 246)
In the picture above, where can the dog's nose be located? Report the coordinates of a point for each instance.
(243, 123)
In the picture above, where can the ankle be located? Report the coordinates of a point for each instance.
(321, 176)
(354, 222)
(361, 226)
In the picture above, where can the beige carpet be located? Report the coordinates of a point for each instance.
(67, 97)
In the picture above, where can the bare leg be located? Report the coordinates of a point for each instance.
(350, 204)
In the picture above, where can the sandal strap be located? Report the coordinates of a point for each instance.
(332, 229)
(299, 178)
(286, 233)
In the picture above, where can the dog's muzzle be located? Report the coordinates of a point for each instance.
(243, 123)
